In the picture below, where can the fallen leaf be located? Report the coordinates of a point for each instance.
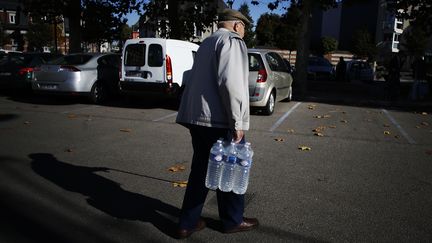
(311, 107)
(177, 168)
(319, 129)
(71, 116)
(386, 125)
(319, 134)
(344, 121)
(386, 132)
(27, 123)
(332, 126)
(326, 116)
(69, 150)
(319, 117)
(304, 148)
(424, 113)
(397, 136)
(417, 126)
(125, 130)
(180, 183)
(424, 123)
(279, 139)
(290, 130)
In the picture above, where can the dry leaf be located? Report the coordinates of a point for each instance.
(319, 134)
(326, 116)
(180, 183)
(27, 123)
(344, 121)
(125, 130)
(176, 168)
(279, 139)
(332, 126)
(69, 150)
(424, 113)
(319, 117)
(290, 130)
(71, 116)
(424, 123)
(386, 132)
(397, 136)
(311, 107)
(304, 148)
(386, 125)
(417, 126)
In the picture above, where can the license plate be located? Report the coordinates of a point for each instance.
(48, 86)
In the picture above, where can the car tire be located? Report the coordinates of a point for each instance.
(98, 93)
(269, 108)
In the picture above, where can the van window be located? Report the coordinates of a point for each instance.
(135, 55)
(155, 55)
(255, 62)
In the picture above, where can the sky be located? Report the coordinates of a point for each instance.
(255, 10)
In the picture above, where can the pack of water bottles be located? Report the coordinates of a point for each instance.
(229, 167)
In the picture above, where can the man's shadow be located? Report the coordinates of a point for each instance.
(104, 194)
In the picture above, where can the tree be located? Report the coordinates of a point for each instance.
(51, 10)
(287, 31)
(266, 28)
(364, 45)
(326, 45)
(249, 37)
(38, 35)
(417, 11)
(414, 40)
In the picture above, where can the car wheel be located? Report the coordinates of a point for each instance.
(98, 93)
(269, 108)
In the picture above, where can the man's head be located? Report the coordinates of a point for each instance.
(233, 20)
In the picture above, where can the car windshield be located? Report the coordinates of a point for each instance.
(72, 60)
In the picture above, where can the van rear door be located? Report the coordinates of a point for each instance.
(144, 62)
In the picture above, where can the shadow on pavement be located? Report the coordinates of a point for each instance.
(373, 94)
(104, 194)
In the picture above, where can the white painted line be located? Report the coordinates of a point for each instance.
(78, 109)
(285, 116)
(165, 117)
(401, 130)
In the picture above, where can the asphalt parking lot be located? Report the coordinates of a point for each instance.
(323, 172)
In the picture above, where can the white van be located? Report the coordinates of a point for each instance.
(155, 65)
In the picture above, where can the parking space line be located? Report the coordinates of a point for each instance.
(401, 130)
(165, 117)
(285, 116)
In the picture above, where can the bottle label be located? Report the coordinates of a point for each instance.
(216, 157)
(245, 163)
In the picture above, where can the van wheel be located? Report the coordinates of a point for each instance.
(98, 93)
(269, 108)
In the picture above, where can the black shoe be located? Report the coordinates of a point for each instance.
(184, 233)
(247, 224)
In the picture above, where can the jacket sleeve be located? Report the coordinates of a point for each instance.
(233, 82)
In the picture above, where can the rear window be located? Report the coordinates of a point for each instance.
(255, 62)
(155, 55)
(72, 60)
(135, 55)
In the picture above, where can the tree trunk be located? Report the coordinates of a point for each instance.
(303, 46)
(173, 18)
(75, 30)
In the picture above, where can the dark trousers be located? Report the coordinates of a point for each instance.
(230, 205)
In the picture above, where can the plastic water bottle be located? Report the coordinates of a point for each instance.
(214, 165)
(227, 178)
(242, 169)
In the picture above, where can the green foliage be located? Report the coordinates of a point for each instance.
(249, 37)
(328, 44)
(418, 11)
(414, 41)
(266, 29)
(39, 35)
(363, 44)
(287, 32)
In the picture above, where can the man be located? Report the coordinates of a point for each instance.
(341, 70)
(215, 104)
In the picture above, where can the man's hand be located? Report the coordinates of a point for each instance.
(238, 135)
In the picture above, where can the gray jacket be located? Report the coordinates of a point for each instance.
(216, 92)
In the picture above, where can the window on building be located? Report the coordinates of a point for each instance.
(396, 37)
(12, 18)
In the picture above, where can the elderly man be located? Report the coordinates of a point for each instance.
(215, 105)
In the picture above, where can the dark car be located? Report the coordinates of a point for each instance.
(320, 68)
(16, 69)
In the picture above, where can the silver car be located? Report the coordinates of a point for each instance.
(269, 79)
(90, 74)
